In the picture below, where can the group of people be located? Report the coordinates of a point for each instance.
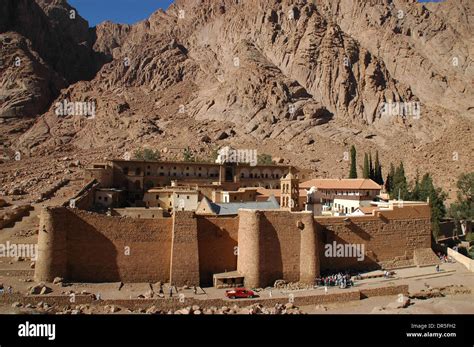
(444, 258)
(7, 290)
(341, 280)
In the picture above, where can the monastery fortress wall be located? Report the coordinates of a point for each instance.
(262, 246)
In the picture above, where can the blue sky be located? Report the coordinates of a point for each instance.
(118, 11)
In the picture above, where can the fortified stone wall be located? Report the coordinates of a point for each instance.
(185, 253)
(217, 241)
(389, 237)
(139, 212)
(277, 245)
(188, 249)
(88, 247)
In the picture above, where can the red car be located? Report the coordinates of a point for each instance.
(239, 293)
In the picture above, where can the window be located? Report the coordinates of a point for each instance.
(106, 199)
(157, 197)
(187, 197)
(100, 198)
(125, 170)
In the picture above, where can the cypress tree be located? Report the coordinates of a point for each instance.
(378, 170)
(371, 167)
(416, 192)
(389, 180)
(400, 186)
(366, 171)
(436, 197)
(353, 171)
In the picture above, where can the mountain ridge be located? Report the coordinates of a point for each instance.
(301, 80)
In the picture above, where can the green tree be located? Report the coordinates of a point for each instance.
(147, 154)
(415, 193)
(188, 155)
(214, 155)
(400, 185)
(425, 190)
(366, 170)
(378, 170)
(264, 159)
(436, 198)
(353, 170)
(371, 167)
(389, 180)
(463, 208)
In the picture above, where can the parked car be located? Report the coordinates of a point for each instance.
(239, 293)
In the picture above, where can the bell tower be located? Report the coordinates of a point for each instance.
(289, 197)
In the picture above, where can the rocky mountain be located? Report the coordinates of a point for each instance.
(301, 80)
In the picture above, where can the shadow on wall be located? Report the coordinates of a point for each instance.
(359, 231)
(271, 262)
(95, 256)
(338, 254)
(217, 252)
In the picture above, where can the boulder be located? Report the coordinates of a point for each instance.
(206, 139)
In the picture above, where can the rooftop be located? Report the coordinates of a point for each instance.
(190, 163)
(232, 208)
(345, 183)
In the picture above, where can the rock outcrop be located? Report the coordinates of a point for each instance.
(272, 73)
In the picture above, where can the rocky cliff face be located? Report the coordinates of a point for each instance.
(302, 80)
(45, 46)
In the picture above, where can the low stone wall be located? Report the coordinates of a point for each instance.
(48, 193)
(174, 303)
(84, 199)
(467, 262)
(17, 273)
(12, 216)
(383, 291)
